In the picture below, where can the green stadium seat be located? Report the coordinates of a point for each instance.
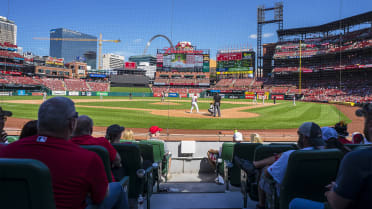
(163, 161)
(353, 146)
(308, 172)
(226, 154)
(104, 155)
(250, 184)
(232, 172)
(132, 164)
(148, 157)
(128, 141)
(25, 184)
(12, 138)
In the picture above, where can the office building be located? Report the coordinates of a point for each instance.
(73, 50)
(8, 31)
(112, 61)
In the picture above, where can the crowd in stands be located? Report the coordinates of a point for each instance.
(320, 46)
(56, 84)
(159, 90)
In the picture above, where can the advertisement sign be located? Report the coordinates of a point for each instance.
(54, 61)
(4, 93)
(94, 75)
(59, 93)
(102, 93)
(37, 94)
(183, 95)
(172, 94)
(73, 93)
(157, 95)
(89, 94)
(236, 62)
(130, 65)
(10, 73)
(21, 92)
(278, 97)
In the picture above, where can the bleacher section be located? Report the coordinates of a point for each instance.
(76, 85)
(96, 86)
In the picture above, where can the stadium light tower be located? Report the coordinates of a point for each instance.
(278, 18)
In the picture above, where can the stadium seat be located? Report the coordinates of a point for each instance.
(163, 161)
(11, 139)
(250, 184)
(354, 146)
(128, 141)
(226, 154)
(232, 171)
(104, 155)
(308, 172)
(141, 180)
(147, 154)
(25, 184)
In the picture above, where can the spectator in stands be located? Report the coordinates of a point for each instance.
(82, 135)
(341, 129)
(309, 138)
(29, 129)
(128, 135)
(353, 186)
(154, 133)
(78, 175)
(114, 133)
(358, 138)
(3, 116)
(255, 138)
(217, 104)
(330, 136)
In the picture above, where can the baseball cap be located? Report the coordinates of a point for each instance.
(238, 136)
(5, 113)
(313, 132)
(115, 129)
(365, 110)
(154, 129)
(328, 133)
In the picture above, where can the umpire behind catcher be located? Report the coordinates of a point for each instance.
(217, 103)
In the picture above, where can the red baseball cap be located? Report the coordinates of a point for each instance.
(155, 129)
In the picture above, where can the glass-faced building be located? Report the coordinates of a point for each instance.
(73, 50)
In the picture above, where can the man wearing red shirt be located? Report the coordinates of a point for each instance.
(78, 176)
(82, 135)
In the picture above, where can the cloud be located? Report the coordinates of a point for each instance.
(265, 35)
(138, 40)
(268, 35)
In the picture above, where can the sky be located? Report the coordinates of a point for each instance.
(207, 24)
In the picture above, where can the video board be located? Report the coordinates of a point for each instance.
(181, 60)
(236, 62)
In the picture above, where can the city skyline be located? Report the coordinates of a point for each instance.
(209, 24)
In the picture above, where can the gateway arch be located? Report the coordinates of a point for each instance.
(154, 37)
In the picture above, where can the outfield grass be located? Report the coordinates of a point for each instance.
(131, 89)
(281, 116)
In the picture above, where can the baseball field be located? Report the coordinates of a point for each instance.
(142, 112)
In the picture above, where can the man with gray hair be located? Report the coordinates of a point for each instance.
(78, 176)
(82, 135)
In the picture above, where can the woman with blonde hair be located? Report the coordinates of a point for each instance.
(128, 135)
(255, 138)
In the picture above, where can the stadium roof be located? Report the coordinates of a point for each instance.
(335, 25)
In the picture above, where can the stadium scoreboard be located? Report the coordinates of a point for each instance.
(236, 62)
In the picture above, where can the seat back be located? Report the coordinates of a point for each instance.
(130, 155)
(11, 139)
(243, 150)
(147, 152)
(226, 154)
(128, 141)
(104, 155)
(353, 146)
(25, 184)
(266, 151)
(158, 149)
(308, 172)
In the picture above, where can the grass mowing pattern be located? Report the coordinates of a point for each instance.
(131, 89)
(281, 116)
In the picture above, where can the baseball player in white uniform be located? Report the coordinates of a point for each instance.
(194, 103)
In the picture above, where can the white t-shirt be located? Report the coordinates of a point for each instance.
(277, 169)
